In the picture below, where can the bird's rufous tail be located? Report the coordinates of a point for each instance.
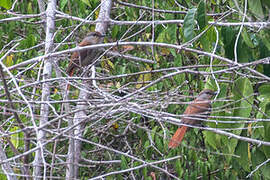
(178, 137)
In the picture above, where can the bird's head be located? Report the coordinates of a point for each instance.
(206, 94)
(94, 37)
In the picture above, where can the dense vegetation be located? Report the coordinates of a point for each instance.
(176, 49)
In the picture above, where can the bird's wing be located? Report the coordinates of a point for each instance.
(196, 108)
(83, 53)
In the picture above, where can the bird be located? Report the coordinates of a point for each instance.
(85, 57)
(200, 106)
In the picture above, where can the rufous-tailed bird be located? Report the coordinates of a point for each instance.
(85, 57)
(200, 106)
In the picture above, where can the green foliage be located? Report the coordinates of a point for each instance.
(255, 7)
(6, 4)
(242, 94)
(201, 15)
(189, 23)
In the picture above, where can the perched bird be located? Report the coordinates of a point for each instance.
(200, 106)
(85, 57)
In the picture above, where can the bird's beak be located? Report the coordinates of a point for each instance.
(102, 35)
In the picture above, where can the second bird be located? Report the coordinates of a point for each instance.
(200, 106)
(85, 57)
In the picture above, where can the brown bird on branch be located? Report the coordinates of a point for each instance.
(85, 57)
(200, 106)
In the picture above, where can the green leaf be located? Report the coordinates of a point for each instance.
(207, 39)
(257, 159)
(167, 35)
(228, 34)
(124, 163)
(115, 30)
(265, 39)
(6, 4)
(242, 91)
(189, 23)
(28, 42)
(242, 151)
(264, 91)
(256, 8)
(266, 126)
(247, 39)
(159, 143)
(212, 138)
(243, 96)
(9, 61)
(201, 15)
(86, 2)
(266, 2)
(63, 3)
(153, 132)
(145, 173)
(15, 137)
(179, 168)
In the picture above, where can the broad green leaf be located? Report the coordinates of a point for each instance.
(264, 93)
(228, 34)
(201, 15)
(257, 159)
(212, 138)
(242, 151)
(243, 96)
(247, 39)
(6, 4)
(244, 54)
(265, 39)
(266, 126)
(189, 23)
(242, 91)
(207, 39)
(256, 7)
(264, 98)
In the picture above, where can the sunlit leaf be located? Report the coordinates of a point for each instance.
(15, 137)
(6, 4)
(144, 77)
(9, 60)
